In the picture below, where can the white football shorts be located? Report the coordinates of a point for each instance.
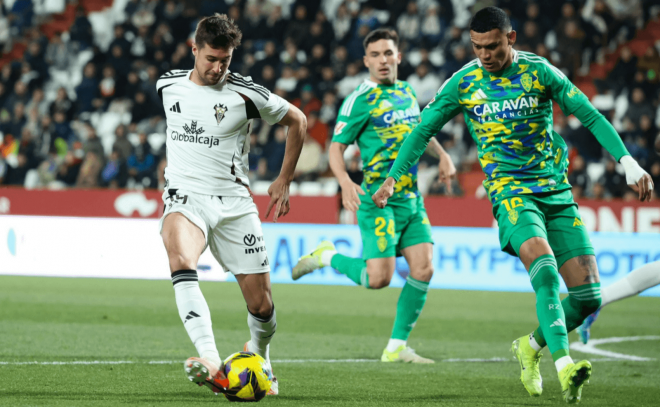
(231, 227)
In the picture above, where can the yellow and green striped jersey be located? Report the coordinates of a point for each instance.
(380, 118)
(509, 115)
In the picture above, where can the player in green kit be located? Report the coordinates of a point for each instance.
(379, 115)
(506, 99)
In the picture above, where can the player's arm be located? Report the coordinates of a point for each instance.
(434, 116)
(349, 189)
(573, 101)
(353, 117)
(446, 168)
(296, 121)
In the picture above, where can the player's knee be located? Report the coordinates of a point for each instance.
(263, 309)
(586, 306)
(179, 261)
(379, 282)
(546, 280)
(423, 273)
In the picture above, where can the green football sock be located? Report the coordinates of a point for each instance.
(410, 305)
(545, 281)
(581, 302)
(355, 269)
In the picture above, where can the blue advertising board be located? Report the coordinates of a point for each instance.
(463, 258)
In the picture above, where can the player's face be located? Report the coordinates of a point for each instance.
(211, 64)
(493, 48)
(382, 58)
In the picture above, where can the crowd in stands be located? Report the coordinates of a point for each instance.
(80, 107)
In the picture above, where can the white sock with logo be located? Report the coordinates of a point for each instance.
(195, 314)
(394, 344)
(326, 257)
(562, 362)
(634, 283)
(261, 333)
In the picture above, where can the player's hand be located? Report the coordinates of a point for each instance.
(384, 193)
(637, 179)
(446, 171)
(279, 197)
(349, 195)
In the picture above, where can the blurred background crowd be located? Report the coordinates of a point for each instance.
(79, 107)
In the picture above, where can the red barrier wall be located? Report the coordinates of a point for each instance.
(611, 216)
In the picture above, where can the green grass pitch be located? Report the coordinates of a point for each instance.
(66, 320)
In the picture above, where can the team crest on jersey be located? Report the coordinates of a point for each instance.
(526, 81)
(220, 111)
(513, 216)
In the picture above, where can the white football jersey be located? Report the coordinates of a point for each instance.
(208, 130)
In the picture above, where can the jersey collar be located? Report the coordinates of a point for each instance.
(373, 84)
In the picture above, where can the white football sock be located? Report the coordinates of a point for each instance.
(634, 283)
(195, 314)
(261, 332)
(562, 362)
(532, 342)
(326, 257)
(394, 344)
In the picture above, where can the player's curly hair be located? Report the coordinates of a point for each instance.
(218, 31)
(381, 34)
(490, 18)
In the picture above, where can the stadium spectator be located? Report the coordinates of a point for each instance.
(578, 177)
(328, 112)
(142, 164)
(342, 23)
(425, 82)
(307, 102)
(88, 90)
(69, 169)
(19, 95)
(317, 130)
(275, 25)
(310, 163)
(623, 72)
(298, 28)
(62, 129)
(613, 182)
(88, 176)
(115, 173)
(81, 30)
(275, 150)
(409, 23)
(38, 103)
(638, 107)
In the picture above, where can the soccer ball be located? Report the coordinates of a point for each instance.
(249, 377)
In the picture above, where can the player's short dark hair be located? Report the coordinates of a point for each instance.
(490, 18)
(381, 34)
(218, 31)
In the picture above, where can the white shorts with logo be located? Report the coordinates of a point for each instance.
(231, 227)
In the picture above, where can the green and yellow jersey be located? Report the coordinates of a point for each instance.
(380, 117)
(509, 115)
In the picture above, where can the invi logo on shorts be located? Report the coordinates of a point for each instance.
(251, 240)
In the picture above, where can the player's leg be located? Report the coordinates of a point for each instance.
(184, 240)
(632, 284)
(410, 305)
(261, 312)
(577, 265)
(238, 245)
(522, 233)
(416, 245)
(379, 241)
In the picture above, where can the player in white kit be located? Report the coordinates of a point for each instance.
(207, 196)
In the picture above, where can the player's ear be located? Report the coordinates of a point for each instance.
(398, 57)
(365, 60)
(194, 49)
(511, 37)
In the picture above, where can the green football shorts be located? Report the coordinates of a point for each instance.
(553, 216)
(402, 223)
